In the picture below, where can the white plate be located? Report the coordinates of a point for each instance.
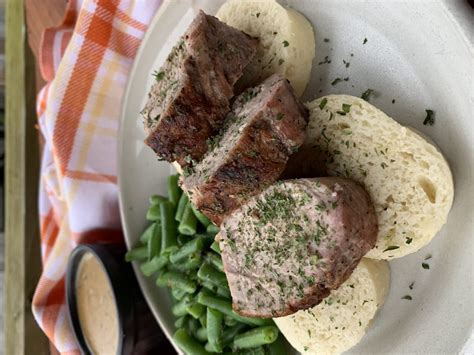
(416, 54)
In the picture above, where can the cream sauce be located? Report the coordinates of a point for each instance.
(96, 307)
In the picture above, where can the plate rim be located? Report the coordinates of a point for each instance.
(469, 46)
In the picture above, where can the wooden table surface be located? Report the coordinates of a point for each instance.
(22, 239)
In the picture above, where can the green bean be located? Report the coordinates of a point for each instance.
(216, 248)
(139, 253)
(192, 262)
(203, 320)
(256, 337)
(153, 213)
(192, 326)
(196, 310)
(231, 332)
(182, 239)
(147, 234)
(191, 247)
(201, 334)
(181, 322)
(168, 227)
(225, 306)
(157, 199)
(154, 243)
(174, 191)
(214, 329)
(206, 238)
(223, 291)
(208, 273)
(178, 280)
(208, 285)
(179, 309)
(182, 203)
(208, 347)
(201, 217)
(230, 322)
(155, 264)
(188, 344)
(216, 261)
(178, 294)
(212, 229)
(188, 223)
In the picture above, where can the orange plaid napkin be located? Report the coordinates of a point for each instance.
(86, 62)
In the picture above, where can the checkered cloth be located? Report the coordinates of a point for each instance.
(86, 62)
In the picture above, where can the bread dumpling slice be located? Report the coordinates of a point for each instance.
(341, 320)
(407, 177)
(287, 44)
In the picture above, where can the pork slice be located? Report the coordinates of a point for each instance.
(265, 126)
(190, 98)
(288, 247)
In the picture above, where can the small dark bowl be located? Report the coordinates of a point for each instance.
(138, 331)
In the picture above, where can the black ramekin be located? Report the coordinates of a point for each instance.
(139, 333)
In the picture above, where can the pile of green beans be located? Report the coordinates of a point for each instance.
(179, 251)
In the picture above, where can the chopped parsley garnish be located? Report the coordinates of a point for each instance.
(365, 41)
(258, 14)
(391, 247)
(321, 206)
(408, 240)
(325, 61)
(428, 257)
(280, 61)
(335, 81)
(346, 108)
(249, 95)
(407, 297)
(426, 266)
(285, 43)
(187, 171)
(305, 348)
(429, 120)
(280, 116)
(410, 286)
(159, 75)
(366, 94)
(212, 142)
(323, 103)
(188, 159)
(326, 40)
(393, 101)
(329, 301)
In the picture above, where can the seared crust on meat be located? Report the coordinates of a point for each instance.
(266, 125)
(190, 98)
(288, 247)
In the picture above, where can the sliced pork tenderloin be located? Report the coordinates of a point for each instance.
(190, 98)
(288, 247)
(266, 125)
